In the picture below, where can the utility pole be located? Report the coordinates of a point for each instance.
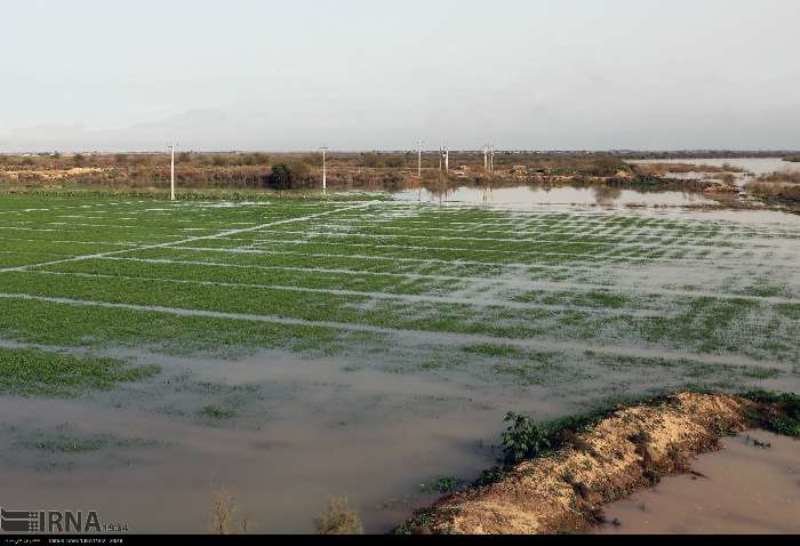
(486, 158)
(324, 171)
(172, 173)
(419, 159)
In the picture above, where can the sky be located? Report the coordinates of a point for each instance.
(275, 75)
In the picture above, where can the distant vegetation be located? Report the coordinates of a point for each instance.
(288, 171)
(664, 169)
(782, 186)
(792, 158)
(360, 170)
(781, 177)
(289, 176)
(703, 154)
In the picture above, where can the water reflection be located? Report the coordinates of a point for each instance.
(606, 196)
(527, 196)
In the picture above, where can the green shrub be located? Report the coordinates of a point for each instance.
(287, 176)
(784, 415)
(523, 438)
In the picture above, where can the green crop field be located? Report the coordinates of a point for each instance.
(573, 300)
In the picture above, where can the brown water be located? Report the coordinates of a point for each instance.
(320, 431)
(742, 489)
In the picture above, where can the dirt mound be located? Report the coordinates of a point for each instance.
(628, 450)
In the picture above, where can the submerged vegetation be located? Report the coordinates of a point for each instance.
(66, 439)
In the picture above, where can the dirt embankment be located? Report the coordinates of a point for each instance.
(626, 451)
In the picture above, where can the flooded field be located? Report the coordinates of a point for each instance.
(289, 351)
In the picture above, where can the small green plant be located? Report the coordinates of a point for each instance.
(490, 476)
(784, 415)
(445, 484)
(523, 438)
(339, 519)
(217, 412)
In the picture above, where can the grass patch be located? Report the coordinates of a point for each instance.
(30, 372)
(789, 310)
(65, 440)
(493, 350)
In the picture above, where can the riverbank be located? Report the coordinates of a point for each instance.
(628, 450)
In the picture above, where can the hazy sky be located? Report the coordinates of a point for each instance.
(373, 74)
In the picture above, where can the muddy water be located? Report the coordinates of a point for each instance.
(314, 430)
(742, 489)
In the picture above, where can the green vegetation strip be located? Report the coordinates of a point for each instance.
(31, 372)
